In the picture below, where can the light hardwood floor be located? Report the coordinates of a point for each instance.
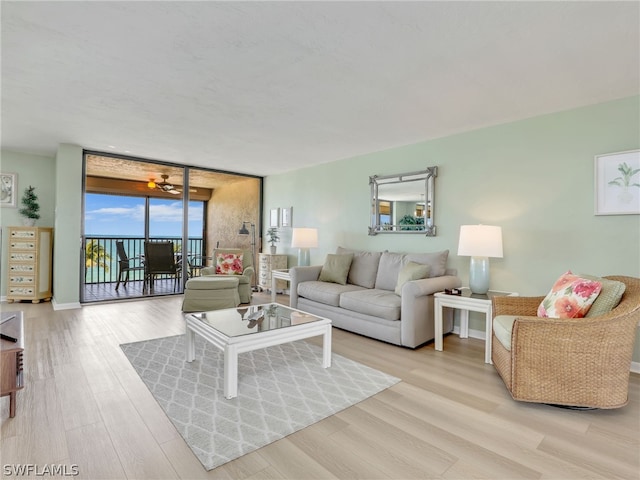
(449, 418)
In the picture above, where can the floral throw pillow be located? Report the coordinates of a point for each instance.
(570, 297)
(229, 264)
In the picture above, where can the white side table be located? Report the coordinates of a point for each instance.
(467, 302)
(280, 274)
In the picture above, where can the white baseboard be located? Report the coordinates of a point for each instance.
(65, 306)
(54, 304)
(479, 334)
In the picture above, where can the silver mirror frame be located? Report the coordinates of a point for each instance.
(427, 176)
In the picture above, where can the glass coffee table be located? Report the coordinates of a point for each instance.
(238, 330)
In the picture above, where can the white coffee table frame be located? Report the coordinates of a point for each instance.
(465, 304)
(232, 346)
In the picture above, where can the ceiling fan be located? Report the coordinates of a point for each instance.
(163, 185)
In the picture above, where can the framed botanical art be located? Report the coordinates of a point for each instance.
(617, 183)
(285, 216)
(274, 217)
(9, 184)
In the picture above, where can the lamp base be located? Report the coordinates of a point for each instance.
(479, 275)
(303, 257)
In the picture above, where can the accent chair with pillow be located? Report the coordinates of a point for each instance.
(236, 262)
(582, 357)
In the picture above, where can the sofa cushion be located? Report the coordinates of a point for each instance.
(436, 260)
(364, 267)
(378, 303)
(502, 327)
(570, 297)
(388, 271)
(411, 271)
(324, 292)
(609, 296)
(336, 268)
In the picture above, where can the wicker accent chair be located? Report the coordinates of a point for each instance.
(581, 362)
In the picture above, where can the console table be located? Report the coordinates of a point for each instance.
(466, 302)
(11, 357)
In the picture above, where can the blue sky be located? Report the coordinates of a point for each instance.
(120, 215)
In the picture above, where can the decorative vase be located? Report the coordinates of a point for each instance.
(273, 249)
(28, 222)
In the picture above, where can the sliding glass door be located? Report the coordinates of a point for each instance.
(129, 201)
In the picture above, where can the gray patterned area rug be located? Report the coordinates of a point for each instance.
(281, 390)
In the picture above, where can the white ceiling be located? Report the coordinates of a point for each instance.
(267, 87)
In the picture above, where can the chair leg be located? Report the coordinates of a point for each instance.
(119, 278)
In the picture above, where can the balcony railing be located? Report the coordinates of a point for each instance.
(101, 255)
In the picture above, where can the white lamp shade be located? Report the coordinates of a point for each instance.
(304, 238)
(480, 241)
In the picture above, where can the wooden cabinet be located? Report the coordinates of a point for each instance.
(11, 358)
(268, 263)
(29, 266)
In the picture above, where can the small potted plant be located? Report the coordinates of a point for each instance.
(273, 238)
(30, 207)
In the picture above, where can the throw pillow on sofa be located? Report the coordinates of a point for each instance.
(229, 264)
(336, 268)
(364, 266)
(436, 260)
(411, 271)
(570, 297)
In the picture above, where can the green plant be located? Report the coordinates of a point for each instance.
(30, 206)
(409, 222)
(625, 180)
(273, 237)
(96, 256)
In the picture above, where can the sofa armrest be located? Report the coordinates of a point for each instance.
(429, 286)
(299, 275)
(417, 307)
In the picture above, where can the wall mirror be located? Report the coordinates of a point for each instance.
(403, 203)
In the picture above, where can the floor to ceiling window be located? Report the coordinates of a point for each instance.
(128, 202)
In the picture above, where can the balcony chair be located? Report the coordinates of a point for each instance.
(196, 264)
(159, 259)
(125, 264)
(580, 363)
(244, 286)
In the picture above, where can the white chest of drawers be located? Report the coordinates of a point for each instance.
(268, 263)
(29, 266)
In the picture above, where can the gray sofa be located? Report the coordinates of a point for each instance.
(371, 302)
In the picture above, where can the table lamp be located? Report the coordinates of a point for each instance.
(304, 239)
(480, 242)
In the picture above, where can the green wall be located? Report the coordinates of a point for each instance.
(534, 178)
(34, 170)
